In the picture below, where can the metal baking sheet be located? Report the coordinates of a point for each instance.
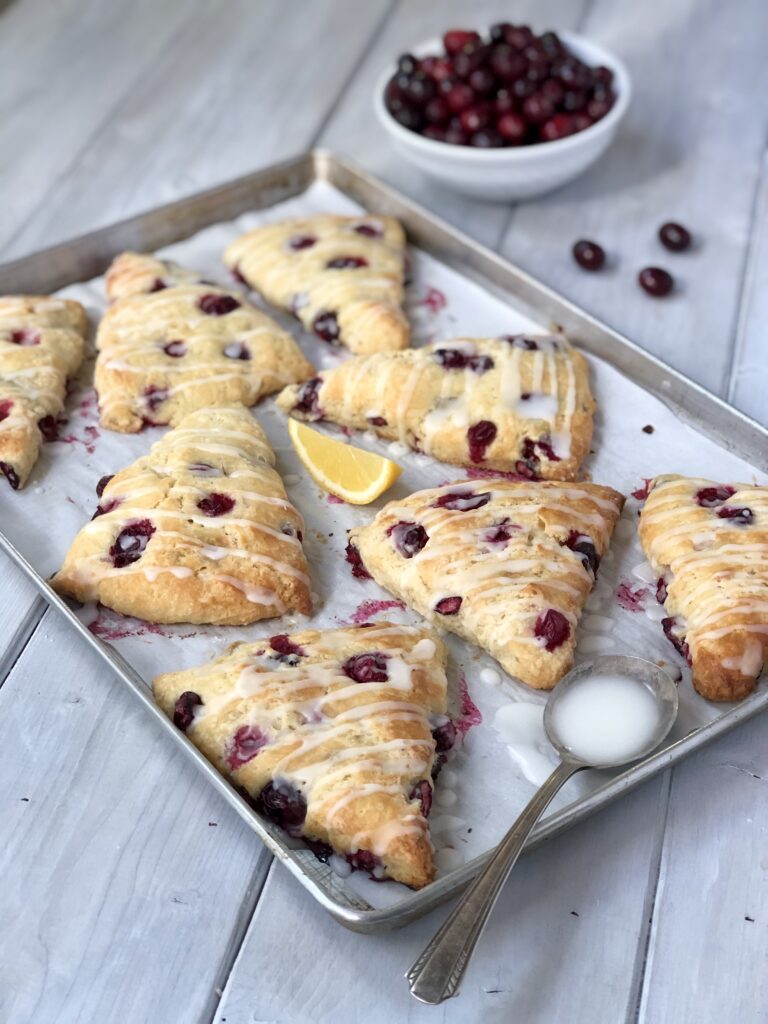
(85, 258)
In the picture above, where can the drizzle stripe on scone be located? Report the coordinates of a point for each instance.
(708, 545)
(520, 404)
(198, 530)
(167, 351)
(42, 343)
(341, 276)
(505, 565)
(330, 732)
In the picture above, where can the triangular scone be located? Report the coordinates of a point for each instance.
(708, 545)
(519, 403)
(164, 354)
(198, 530)
(506, 565)
(133, 273)
(341, 276)
(330, 732)
(42, 343)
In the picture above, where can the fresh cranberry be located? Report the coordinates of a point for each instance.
(538, 109)
(671, 627)
(108, 506)
(674, 236)
(553, 90)
(25, 337)
(102, 484)
(369, 230)
(557, 127)
(482, 81)
(10, 475)
(307, 400)
(408, 118)
(473, 119)
(501, 533)
(448, 606)
(175, 349)
(585, 548)
(742, 516)
(363, 860)
(459, 502)
(326, 326)
(302, 242)
(506, 64)
(282, 644)
(553, 627)
(408, 538)
(155, 397)
(661, 590)
(456, 39)
(711, 497)
(598, 108)
(422, 792)
(377, 421)
(346, 263)
(603, 75)
(216, 504)
(655, 281)
(5, 409)
(589, 255)
(459, 98)
(130, 543)
(158, 285)
(236, 350)
(352, 555)
(444, 737)
(218, 305)
(642, 492)
(184, 709)
(455, 359)
(512, 127)
(519, 36)
(49, 428)
(437, 110)
(245, 745)
(367, 668)
(480, 436)
(284, 804)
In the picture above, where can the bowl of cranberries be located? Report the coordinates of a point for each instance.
(505, 113)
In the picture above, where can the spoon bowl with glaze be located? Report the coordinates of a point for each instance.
(604, 714)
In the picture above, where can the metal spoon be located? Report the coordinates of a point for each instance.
(437, 973)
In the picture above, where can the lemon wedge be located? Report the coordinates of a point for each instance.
(352, 474)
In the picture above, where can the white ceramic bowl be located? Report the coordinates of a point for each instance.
(515, 172)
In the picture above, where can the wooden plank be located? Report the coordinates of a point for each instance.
(126, 881)
(238, 86)
(746, 387)
(353, 129)
(560, 945)
(20, 611)
(709, 941)
(683, 152)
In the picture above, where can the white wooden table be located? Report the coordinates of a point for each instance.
(128, 891)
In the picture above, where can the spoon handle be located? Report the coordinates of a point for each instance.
(437, 972)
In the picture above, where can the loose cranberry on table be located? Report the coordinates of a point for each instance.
(589, 255)
(509, 87)
(674, 237)
(656, 282)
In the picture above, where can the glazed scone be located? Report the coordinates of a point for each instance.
(133, 273)
(708, 545)
(199, 530)
(505, 565)
(42, 343)
(166, 353)
(341, 276)
(330, 732)
(519, 403)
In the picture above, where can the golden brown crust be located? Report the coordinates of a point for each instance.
(42, 343)
(214, 536)
(289, 264)
(166, 353)
(133, 273)
(708, 543)
(520, 404)
(502, 564)
(300, 713)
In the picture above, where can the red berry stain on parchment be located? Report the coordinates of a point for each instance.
(629, 599)
(470, 714)
(109, 625)
(367, 609)
(434, 300)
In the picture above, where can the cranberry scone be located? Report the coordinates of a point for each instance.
(165, 353)
(519, 403)
(330, 732)
(42, 343)
(708, 544)
(341, 276)
(199, 530)
(506, 565)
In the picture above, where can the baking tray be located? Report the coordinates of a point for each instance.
(88, 256)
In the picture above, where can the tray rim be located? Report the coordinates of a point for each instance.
(485, 266)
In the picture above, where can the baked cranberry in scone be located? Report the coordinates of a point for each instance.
(506, 565)
(708, 545)
(341, 276)
(335, 744)
(519, 403)
(198, 530)
(42, 343)
(166, 351)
